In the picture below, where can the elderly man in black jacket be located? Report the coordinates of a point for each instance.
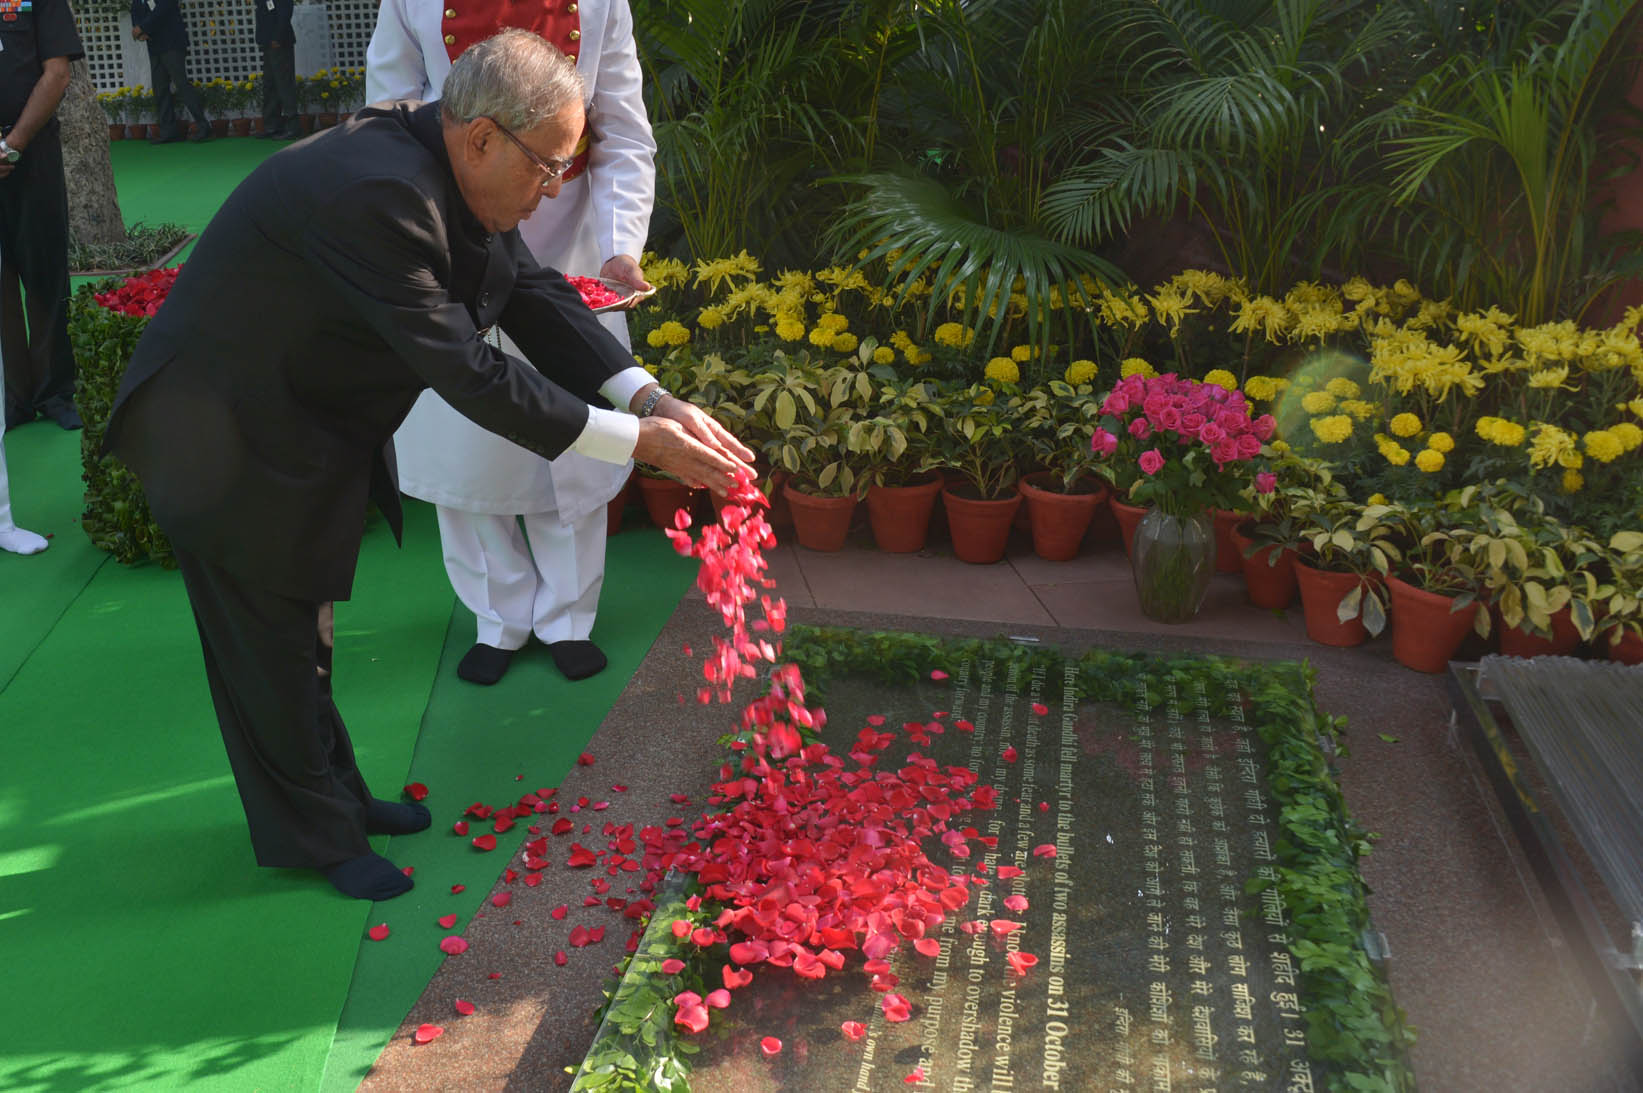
(279, 69)
(385, 252)
(160, 24)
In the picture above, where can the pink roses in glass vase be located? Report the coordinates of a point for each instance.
(1184, 448)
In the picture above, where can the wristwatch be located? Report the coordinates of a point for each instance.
(8, 153)
(648, 407)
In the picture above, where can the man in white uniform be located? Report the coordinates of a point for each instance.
(524, 539)
(14, 539)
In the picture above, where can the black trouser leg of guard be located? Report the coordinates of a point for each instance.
(34, 246)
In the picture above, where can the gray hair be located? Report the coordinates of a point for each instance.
(515, 77)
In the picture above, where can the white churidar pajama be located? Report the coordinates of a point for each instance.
(546, 578)
(12, 538)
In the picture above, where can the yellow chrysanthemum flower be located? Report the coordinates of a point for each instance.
(1332, 429)
(1572, 482)
(1135, 366)
(789, 330)
(1317, 402)
(1629, 435)
(1603, 446)
(1359, 408)
(665, 272)
(883, 354)
(1003, 370)
(1441, 442)
(1550, 378)
(1080, 372)
(718, 272)
(1264, 388)
(901, 340)
(1550, 445)
(1429, 460)
(1405, 424)
(710, 318)
(1220, 377)
(1341, 387)
(984, 398)
(821, 337)
(845, 343)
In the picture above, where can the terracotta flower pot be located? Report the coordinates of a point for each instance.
(1228, 559)
(1269, 573)
(136, 132)
(780, 514)
(1515, 641)
(663, 497)
(219, 127)
(305, 123)
(617, 507)
(1128, 517)
(980, 529)
(1628, 650)
(820, 523)
(240, 127)
(1426, 626)
(900, 515)
(1321, 593)
(1059, 520)
(116, 131)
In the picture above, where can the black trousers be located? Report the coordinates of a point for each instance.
(34, 248)
(268, 662)
(171, 67)
(279, 88)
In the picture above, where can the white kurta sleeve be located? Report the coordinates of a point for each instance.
(622, 155)
(394, 65)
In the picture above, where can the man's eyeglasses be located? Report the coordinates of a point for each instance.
(552, 169)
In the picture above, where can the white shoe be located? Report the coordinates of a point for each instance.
(18, 541)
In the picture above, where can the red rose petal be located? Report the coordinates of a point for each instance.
(1016, 903)
(914, 1076)
(937, 674)
(1005, 872)
(453, 946)
(585, 759)
(378, 933)
(416, 791)
(560, 958)
(455, 888)
(560, 911)
(927, 946)
(1044, 850)
(771, 1046)
(1009, 754)
(1040, 709)
(718, 999)
(896, 1008)
(672, 966)
(853, 1030)
(502, 899)
(485, 842)
(466, 1009)
(447, 921)
(425, 1033)
(1003, 927)
(735, 978)
(1020, 962)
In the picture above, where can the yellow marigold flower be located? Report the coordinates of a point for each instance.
(884, 355)
(1003, 370)
(984, 398)
(1405, 424)
(1441, 442)
(1603, 446)
(1341, 387)
(1376, 499)
(833, 322)
(845, 343)
(651, 368)
(956, 335)
(1021, 354)
(1080, 371)
(1573, 480)
(916, 356)
(1317, 402)
(1635, 406)
(1220, 377)
(1133, 366)
(1509, 434)
(1394, 453)
(1429, 460)
(1264, 388)
(821, 337)
(669, 333)
(1629, 435)
(901, 340)
(1332, 429)
(789, 330)
(710, 318)
(1359, 408)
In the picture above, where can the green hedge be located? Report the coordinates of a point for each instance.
(116, 515)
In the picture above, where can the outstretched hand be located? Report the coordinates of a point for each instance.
(682, 440)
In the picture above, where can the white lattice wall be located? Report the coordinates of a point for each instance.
(223, 42)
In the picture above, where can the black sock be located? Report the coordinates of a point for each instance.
(369, 876)
(577, 659)
(395, 818)
(483, 664)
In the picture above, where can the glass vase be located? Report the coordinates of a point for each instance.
(1173, 559)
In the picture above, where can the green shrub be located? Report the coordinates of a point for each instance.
(116, 515)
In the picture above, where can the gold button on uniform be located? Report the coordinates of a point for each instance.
(571, 8)
(575, 35)
(450, 13)
(450, 39)
(570, 56)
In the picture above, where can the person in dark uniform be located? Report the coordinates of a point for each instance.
(160, 24)
(279, 69)
(37, 43)
(384, 251)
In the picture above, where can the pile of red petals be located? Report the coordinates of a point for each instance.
(142, 294)
(595, 293)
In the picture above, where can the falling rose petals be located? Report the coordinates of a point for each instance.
(937, 674)
(425, 1033)
(681, 928)
(579, 937)
(964, 725)
(453, 946)
(672, 966)
(501, 899)
(416, 791)
(853, 1030)
(460, 827)
(466, 1009)
(378, 933)
(1040, 709)
(485, 842)
(447, 921)
(691, 1015)
(927, 946)
(1020, 962)
(896, 1008)
(1005, 872)
(679, 798)
(771, 1046)
(1009, 754)
(1016, 903)
(1044, 850)
(974, 926)
(1003, 927)
(560, 911)
(718, 999)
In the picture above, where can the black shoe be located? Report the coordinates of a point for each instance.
(167, 137)
(484, 664)
(201, 135)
